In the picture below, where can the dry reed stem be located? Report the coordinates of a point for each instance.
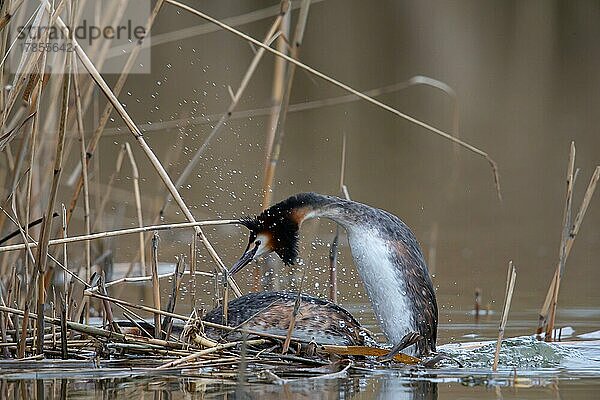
(155, 285)
(138, 204)
(273, 156)
(15, 178)
(12, 132)
(277, 89)
(42, 253)
(191, 165)
(193, 247)
(510, 286)
(64, 299)
(99, 332)
(110, 16)
(348, 88)
(562, 257)
(32, 156)
(106, 304)
(84, 171)
(290, 330)
(139, 279)
(204, 352)
(167, 324)
(545, 317)
(28, 60)
(120, 232)
(269, 111)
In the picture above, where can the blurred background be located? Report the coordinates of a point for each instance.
(525, 77)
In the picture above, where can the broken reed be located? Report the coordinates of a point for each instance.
(570, 229)
(508, 294)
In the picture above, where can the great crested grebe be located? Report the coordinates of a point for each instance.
(389, 261)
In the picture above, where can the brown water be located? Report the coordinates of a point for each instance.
(526, 77)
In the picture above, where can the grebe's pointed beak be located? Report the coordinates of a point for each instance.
(245, 259)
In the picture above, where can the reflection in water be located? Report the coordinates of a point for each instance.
(191, 388)
(413, 390)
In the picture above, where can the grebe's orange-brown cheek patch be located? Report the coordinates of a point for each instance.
(299, 214)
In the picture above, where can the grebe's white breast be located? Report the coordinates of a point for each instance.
(385, 287)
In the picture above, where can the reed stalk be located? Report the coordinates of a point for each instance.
(42, 254)
(167, 324)
(155, 285)
(138, 205)
(106, 304)
(205, 352)
(84, 172)
(149, 278)
(508, 293)
(295, 310)
(547, 314)
(193, 254)
(273, 156)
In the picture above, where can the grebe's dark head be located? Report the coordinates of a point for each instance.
(276, 229)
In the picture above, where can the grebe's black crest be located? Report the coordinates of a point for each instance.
(281, 223)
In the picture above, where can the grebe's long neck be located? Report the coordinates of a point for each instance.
(390, 263)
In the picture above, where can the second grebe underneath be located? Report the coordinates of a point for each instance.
(389, 261)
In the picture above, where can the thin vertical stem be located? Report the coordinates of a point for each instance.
(138, 205)
(84, 172)
(156, 285)
(281, 119)
(510, 286)
(42, 255)
(193, 247)
(563, 241)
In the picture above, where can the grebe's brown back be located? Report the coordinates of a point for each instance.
(317, 320)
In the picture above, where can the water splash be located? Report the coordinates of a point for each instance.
(521, 352)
